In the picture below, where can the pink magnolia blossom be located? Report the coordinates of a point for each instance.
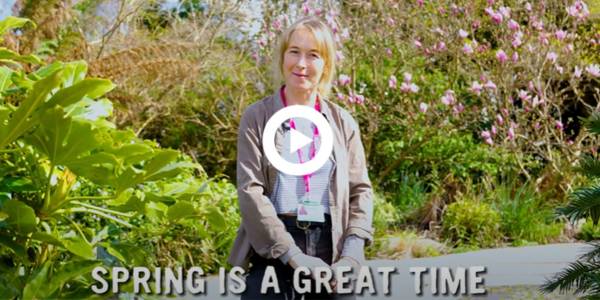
(409, 87)
(552, 56)
(339, 55)
(392, 82)
(523, 95)
(544, 40)
(389, 52)
(513, 25)
(407, 77)
(517, 39)
(423, 107)
(494, 130)
(306, 9)
(504, 112)
(570, 48)
(537, 24)
(487, 137)
(417, 43)
(467, 49)
(341, 96)
(485, 134)
(559, 69)
(359, 99)
(344, 79)
(490, 85)
(391, 21)
(476, 87)
(577, 72)
(276, 24)
(593, 70)
(501, 56)
(559, 125)
(440, 46)
(505, 11)
(463, 34)
(515, 57)
(457, 109)
(528, 6)
(496, 16)
(511, 133)
(560, 35)
(475, 24)
(448, 98)
(499, 119)
(578, 10)
(345, 33)
(420, 3)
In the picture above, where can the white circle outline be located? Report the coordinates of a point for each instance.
(297, 111)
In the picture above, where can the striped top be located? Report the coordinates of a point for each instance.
(289, 189)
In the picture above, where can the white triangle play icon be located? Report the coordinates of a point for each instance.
(297, 140)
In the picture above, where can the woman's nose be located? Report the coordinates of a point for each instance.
(301, 62)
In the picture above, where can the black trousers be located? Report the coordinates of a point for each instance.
(314, 241)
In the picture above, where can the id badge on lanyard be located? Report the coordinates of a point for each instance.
(308, 210)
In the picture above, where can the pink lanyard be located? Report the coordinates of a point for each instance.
(312, 151)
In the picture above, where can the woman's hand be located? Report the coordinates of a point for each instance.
(345, 261)
(310, 262)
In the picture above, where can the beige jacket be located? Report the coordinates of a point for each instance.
(351, 196)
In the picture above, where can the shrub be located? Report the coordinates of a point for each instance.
(589, 231)
(473, 223)
(524, 215)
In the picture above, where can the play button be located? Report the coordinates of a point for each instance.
(297, 140)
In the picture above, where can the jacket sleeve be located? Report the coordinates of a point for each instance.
(361, 191)
(265, 231)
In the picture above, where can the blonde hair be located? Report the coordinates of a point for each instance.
(325, 46)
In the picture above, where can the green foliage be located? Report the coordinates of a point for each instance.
(589, 231)
(472, 223)
(434, 155)
(76, 193)
(385, 215)
(524, 216)
(583, 276)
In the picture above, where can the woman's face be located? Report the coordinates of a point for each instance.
(302, 63)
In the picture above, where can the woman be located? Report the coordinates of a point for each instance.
(271, 233)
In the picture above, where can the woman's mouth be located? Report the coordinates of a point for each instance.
(300, 75)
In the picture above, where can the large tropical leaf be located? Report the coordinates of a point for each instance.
(61, 138)
(20, 216)
(8, 55)
(23, 118)
(91, 87)
(34, 286)
(11, 22)
(5, 82)
(163, 164)
(67, 272)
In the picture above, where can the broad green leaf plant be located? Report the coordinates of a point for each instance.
(73, 189)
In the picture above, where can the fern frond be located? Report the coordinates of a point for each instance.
(584, 202)
(589, 166)
(593, 123)
(578, 276)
